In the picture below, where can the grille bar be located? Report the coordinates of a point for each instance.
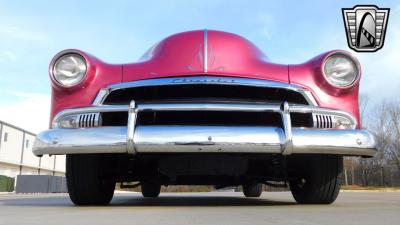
(322, 121)
(319, 118)
(88, 120)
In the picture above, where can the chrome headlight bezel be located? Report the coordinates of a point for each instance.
(350, 60)
(81, 64)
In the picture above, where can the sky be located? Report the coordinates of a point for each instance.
(288, 32)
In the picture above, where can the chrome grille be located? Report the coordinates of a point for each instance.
(89, 120)
(323, 121)
(204, 88)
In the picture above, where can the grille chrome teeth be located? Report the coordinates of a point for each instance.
(323, 121)
(89, 120)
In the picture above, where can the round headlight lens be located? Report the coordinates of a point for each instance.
(69, 69)
(340, 70)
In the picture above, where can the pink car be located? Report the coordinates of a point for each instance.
(204, 108)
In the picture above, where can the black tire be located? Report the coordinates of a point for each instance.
(85, 180)
(319, 179)
(252, 190)
(150, 189)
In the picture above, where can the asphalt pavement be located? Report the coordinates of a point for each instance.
(202, 208)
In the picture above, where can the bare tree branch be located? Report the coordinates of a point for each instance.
(363, 103)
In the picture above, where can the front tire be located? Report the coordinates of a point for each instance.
(85, 180)
(317, 180)
(252, 190)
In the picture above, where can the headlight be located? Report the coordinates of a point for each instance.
(69, 69)
(340, 70)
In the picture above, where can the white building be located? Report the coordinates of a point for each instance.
(16, 155)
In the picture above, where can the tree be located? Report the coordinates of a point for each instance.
(394, 124)
(363, 103)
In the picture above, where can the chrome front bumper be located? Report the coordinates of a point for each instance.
(136, 139)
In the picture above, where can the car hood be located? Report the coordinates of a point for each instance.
(204, 52)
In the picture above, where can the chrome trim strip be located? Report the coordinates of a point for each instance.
(193, 80)
(101, 96)
(206, 107)
(244, 107)
(209, 107)
(182, 139)
(309, 97)
(205, 53)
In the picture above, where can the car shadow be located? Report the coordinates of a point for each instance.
(177, 200)
(136, 200)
